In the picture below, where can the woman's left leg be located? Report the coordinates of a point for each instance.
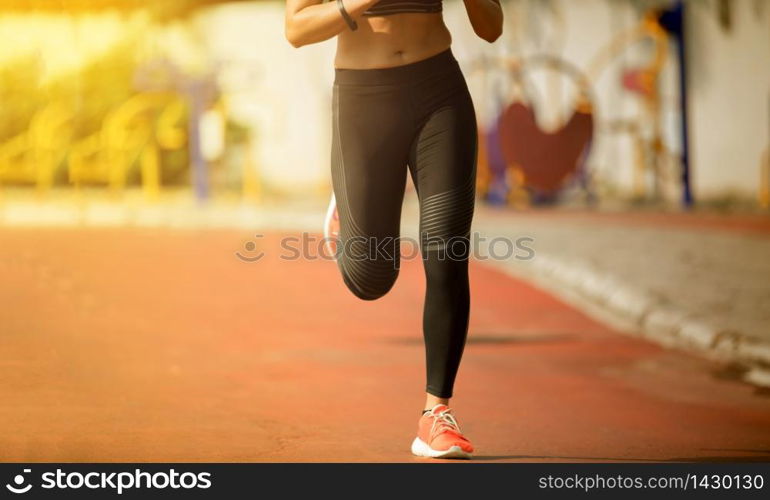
(443, 166)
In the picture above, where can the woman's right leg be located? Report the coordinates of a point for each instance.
(370, 147)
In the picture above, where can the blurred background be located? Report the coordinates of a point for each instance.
(146, 147)
(635, 101)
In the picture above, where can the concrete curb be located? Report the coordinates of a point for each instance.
(652, 316)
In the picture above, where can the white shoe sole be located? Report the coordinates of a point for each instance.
(327, 222)
(421, 449)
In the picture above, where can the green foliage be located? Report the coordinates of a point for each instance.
(20, 94)
(98, 87)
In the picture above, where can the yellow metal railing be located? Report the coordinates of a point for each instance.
(131, 134)
(34, 156)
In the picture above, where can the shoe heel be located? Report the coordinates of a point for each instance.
(419, 448)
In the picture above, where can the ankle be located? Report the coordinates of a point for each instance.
(431, 401)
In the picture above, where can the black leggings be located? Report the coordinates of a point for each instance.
(420, 115)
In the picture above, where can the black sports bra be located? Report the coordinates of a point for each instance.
(388, 7)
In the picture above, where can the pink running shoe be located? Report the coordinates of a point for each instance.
(439, 436)
(331, 229)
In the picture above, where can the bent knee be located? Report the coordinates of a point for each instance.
(370, 287)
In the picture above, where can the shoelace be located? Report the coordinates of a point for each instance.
(442, 421)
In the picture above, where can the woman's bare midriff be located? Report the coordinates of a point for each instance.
(395, 40)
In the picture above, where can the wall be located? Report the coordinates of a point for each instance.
(282, 92)
(729, 88)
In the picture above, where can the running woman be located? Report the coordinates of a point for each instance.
(401, 102)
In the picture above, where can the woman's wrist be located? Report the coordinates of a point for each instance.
(352, 24)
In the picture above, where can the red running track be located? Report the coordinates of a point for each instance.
(160, 345)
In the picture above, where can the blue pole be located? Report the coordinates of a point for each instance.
(673, 20)
(198, 163)
(687, 199)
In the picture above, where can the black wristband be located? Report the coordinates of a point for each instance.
(351, 23)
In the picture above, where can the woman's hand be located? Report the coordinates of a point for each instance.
(486, 18)
(310, 21)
